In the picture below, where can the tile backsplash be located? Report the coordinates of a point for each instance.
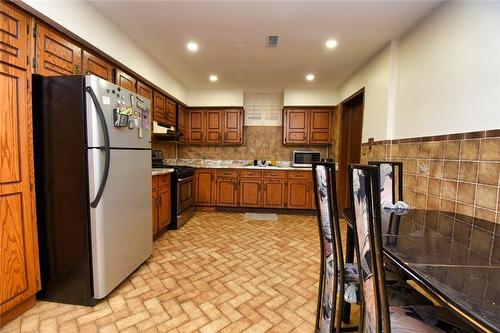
(261, 142)
(457, 173)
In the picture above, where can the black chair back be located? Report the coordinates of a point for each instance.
(389, 174)
(331, 283)
(365, 198)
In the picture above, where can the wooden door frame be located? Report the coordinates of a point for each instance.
(342, 163)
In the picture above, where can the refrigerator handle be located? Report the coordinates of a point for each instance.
(105, 148)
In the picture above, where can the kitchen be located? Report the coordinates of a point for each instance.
(170, 188)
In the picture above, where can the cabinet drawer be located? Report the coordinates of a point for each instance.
(300, 174)
(163, 180)
(275, 174)
(227, 173)
(251, 173)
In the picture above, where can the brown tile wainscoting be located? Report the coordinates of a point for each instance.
(456, 172)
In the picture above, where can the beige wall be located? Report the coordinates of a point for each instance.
(215, 97)
(441, 77)
(374, 77)
(308, 97)
(84, 20)
(449, 72)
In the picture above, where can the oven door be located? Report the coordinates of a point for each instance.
(185, 194)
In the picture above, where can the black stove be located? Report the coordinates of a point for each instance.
(181, 171)
(182, 192)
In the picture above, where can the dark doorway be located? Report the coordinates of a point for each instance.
(350, 141)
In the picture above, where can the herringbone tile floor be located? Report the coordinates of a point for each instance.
(219, 273)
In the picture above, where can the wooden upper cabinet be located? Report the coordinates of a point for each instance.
(92, 64)
(227, 192)
(181, 122)
(296, 126)
(55, 54)
(125, 80)
(145, 91)
(196, 126)
(160, 108)
(204, 187)
(213, 119)
(320, 126)
(19, 268)
(233, 126)
(274, 195)
(14, 36)
(171, 112)
(307, 126)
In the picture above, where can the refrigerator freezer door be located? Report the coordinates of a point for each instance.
(121, 233)
(110, 97)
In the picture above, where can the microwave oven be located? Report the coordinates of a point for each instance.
(305, 158)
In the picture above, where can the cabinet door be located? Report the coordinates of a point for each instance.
(124, 80)
(298, 194)
(214, 128)
(14, 36)
(55, 54)
(145, 91)
(205, 187)
(97, 66)
(233, 126)
(196, 128)
(274, 193)
(319, 130)
(296, 125)
(171, 112)
(164, 211)
(155, 200)
(250, 192)
(160, 108)
(19, 268)
(181, 123)
(227, 192)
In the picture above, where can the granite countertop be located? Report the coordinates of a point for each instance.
(252, 167)
(231, 164)
(161, 171)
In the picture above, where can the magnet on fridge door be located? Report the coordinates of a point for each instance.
(140, 133)
(146, 120)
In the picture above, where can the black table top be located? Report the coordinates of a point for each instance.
(455, 256)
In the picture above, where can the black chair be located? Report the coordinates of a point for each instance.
(333, 272)
(377, 315)
(389, 173)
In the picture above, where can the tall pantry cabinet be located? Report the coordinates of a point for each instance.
(19, 264)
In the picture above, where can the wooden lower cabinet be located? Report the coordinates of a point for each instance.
(250, 192)
(19, 261)
(274, 195)
(162, 207)
(227, 192)
(298, 194)
(254, 188)
(164, 211)
(205, 187)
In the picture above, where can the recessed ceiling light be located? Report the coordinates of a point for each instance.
(213, 78)
(331, 43)
(192, 46)
(310, 77)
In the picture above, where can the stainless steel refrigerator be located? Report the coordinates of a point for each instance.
(92, 144)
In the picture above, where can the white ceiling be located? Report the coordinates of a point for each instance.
(232, 38)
